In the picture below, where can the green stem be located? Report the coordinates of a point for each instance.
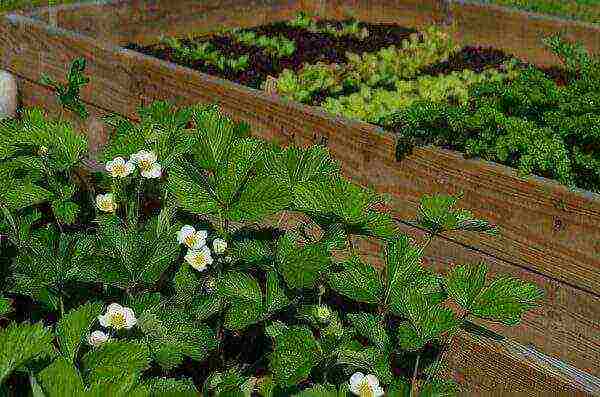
(414, 386)
(62, 306)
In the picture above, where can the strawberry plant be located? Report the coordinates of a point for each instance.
(219, 263)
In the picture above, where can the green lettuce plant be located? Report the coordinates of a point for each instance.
(277, 46)
(204, 51)
(212, 249)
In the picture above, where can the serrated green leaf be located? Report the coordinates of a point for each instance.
(465, 282)
(65, 211)
(359, 281)
(191, 194)
(371, 327)
(295, 353)
(23, 343)
(301, 266)
(261, 196)
(242, 313)
(505, 300)
(116, 362)
(61, 378)
(324, 391)
(238, 285)
(73, 328)
(275, 298)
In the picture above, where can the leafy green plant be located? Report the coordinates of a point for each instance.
(277, 46)
(188, 260)
(204, 51)
(68, 94)
(528, 122)
(309, 22)
(377, 105)
(38, 160)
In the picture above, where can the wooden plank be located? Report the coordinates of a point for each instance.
(29, 47)
(411, 13)
(143, 22)
(492, 368)
(518, 32)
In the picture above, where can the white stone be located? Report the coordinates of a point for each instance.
(8, 95)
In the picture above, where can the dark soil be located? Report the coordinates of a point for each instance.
(313, 47)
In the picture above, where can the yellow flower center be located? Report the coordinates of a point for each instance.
(364, 389)
(199, 261)
(190, 240)
(145, 165)
(119, 169)
(117, 320)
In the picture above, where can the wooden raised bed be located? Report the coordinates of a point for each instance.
(549, 234)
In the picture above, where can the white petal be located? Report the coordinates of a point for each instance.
(130, 319)
(130, 167)
(114, 308)
(373, 381)
(356, 378)
(184, 232)
(103, 320)
(156, 171)
(378, 391)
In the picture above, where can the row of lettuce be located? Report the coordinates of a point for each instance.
(160, 273)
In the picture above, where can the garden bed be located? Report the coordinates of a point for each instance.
(537, 218)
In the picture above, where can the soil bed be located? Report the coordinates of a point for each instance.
(312, 47)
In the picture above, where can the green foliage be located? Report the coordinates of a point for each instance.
(68, 94)
(74, 327)
(349, 27)
(277, 47)
(297, 300)
(21, 344)
(583, 10)
(191, 51)
(296, 352)
(504, 300)
(5, 306)
(528, 122)
(37, 158)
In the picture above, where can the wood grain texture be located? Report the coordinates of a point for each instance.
(498, 369)
(143, 22)
(518, 32)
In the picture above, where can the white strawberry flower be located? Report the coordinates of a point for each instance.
(97, 338)
(118, 317)
(146, 162)
(199, 259)
(119, 168)
(219, 246)
(192, 238)
(365, 385)
(106, 202)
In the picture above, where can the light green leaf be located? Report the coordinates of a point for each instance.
(301, 266)
(275, 298)
(505, 300)
(295, 353)
(260, 196)
(359, 281)
(74, 327)
(465, 282)
(21, 344)
(61, 378)
(238, 285)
